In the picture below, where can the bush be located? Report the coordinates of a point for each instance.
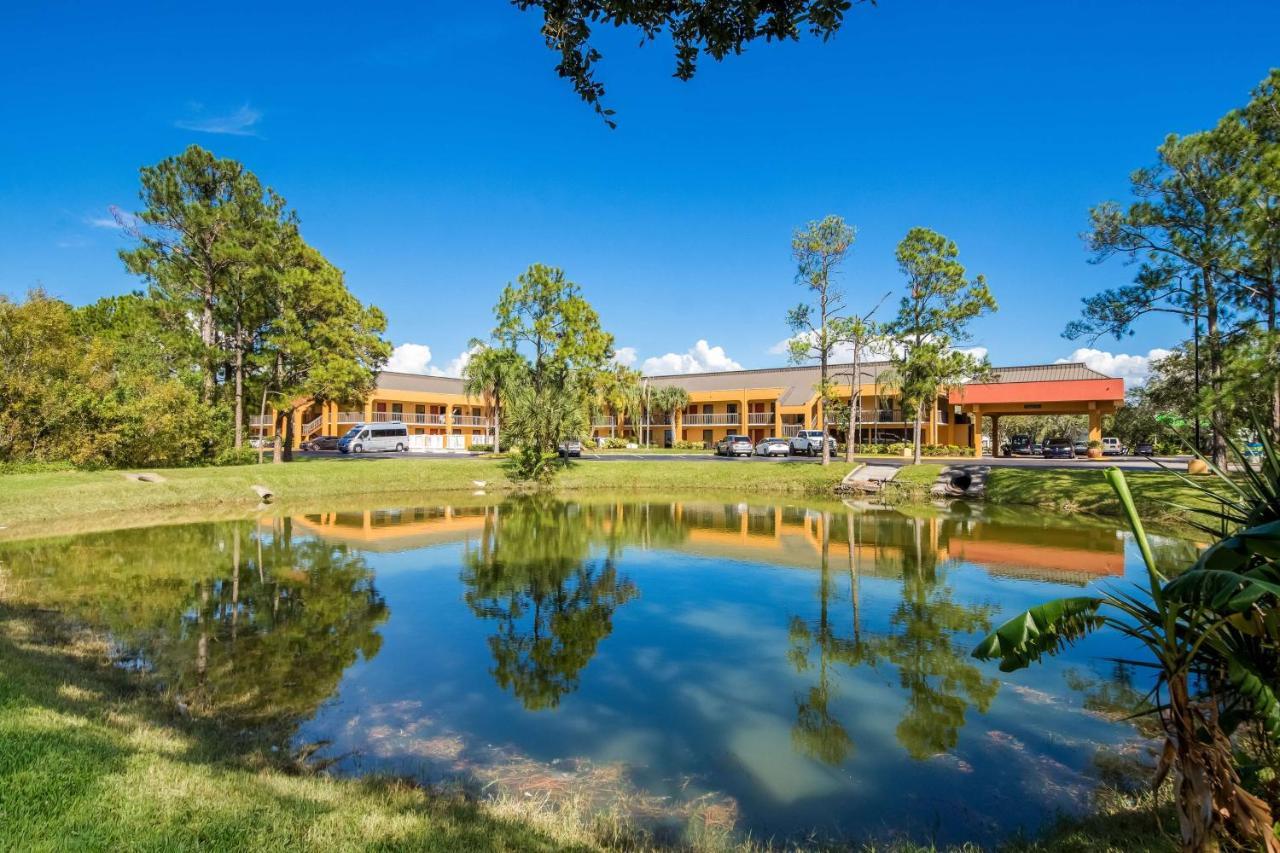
(481, 448)
(688, 445)
(616, 443)
(23, 467)
(243, 456)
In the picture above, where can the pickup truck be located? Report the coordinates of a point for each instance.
(808, 442)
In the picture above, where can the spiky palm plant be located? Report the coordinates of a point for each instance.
(1211, 633)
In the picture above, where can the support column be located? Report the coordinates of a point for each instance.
(297, 428)
(777, 419)
(368, 410)
(1095, 425)
(995, 435)
(975, 440)
(448, 424)
(744, 426)
(932, 431)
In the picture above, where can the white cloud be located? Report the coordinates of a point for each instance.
(700, 358)
(626, 356)
(410, 358)
(117, 220)
(1134, 369)
(840, 353)
(416, 358)
(977, 353)
(242, 122)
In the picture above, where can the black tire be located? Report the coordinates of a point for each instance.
(358, 448)
(400, 448)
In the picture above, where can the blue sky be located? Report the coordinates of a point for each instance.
(433, 154)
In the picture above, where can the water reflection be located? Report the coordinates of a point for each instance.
(779, 661)
(532, 572)
(235, 620)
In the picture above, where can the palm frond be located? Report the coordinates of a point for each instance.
(1223, 592)
(1043, 630)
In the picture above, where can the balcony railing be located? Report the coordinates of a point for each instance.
(350, 417)
(604, 421)
(260, 420)
(424, 419)
(471, 421)
(312, 425)
(789, 430)
(760, 418)
(715, 419)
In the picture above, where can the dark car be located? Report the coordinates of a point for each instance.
(1019, 445)
(1081, 448)
(1058, 448)
(1145, 448)
(322, 442)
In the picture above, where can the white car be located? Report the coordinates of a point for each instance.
(808, 442)
(1111, 446)
(773, 447)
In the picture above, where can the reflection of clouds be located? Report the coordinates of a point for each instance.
(763, 747)
(732, 622)
(1041, 776)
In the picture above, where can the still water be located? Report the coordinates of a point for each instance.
(776, 669)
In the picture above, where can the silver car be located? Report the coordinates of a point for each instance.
(808, 442)
(773, 447)
(734, 445)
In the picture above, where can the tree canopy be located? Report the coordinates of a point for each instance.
(717, 29)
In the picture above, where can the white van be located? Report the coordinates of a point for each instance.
(1111, 447)
(367, 438)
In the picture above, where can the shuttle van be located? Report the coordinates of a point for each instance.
(368, 438)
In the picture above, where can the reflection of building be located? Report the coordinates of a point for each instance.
(778, 401)
(396, 529)
(790, 536)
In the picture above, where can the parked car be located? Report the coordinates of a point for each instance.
(1111, 446)
(571, 447)
(322, 442)
(1058, 448)
(734, 445)
(1019, 445)
(773, 447)
(366, 438)
(808, 442)
(1145, 448)
(1036, 448)
(1081, 448)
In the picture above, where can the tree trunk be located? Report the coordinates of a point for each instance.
(497, 424)
(919, 426)
(855, 410)
(239, 371)
(208, 339)
(277, 451)
(822, 399)
(1216, 421)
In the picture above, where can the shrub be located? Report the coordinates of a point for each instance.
(33, 467)
(482, 448)
(232, 456)
(687, 445)
(616, 442)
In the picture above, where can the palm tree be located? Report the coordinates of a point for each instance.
(491, 373)
(669, 399)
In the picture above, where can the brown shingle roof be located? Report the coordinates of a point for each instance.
(391, 381)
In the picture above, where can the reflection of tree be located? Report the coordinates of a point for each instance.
(235, 622)
(817, 732)
(937, 676)
(533, 573)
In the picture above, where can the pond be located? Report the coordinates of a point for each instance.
(772, 668)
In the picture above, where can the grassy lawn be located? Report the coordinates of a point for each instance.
(1158, 494)
(77, 501)
(93, 759)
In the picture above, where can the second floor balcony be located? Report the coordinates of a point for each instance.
(713, 419)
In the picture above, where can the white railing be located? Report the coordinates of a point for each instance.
(312, 425)
(260, 420)
(423, 419)
(715, 419)
(760, 418)
(387, 417)
(350, 417)
(789, 430)
(604, 421)
(879, 416)
(470, 420)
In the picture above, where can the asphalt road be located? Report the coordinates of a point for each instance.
(1129, 463)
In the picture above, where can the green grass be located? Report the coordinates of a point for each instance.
(918, 475)
(1159, 495)
(51, 502)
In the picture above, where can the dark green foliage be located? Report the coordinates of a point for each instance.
(717, 29)
(1043, 630)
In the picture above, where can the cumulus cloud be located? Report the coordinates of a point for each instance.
(410, 358)
(977, 353)
(626, 356)
(417, 358)
(1134, 369)
(840, 353)
(241, 122)
(700, 358)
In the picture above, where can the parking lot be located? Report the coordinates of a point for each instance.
(1132, 463)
